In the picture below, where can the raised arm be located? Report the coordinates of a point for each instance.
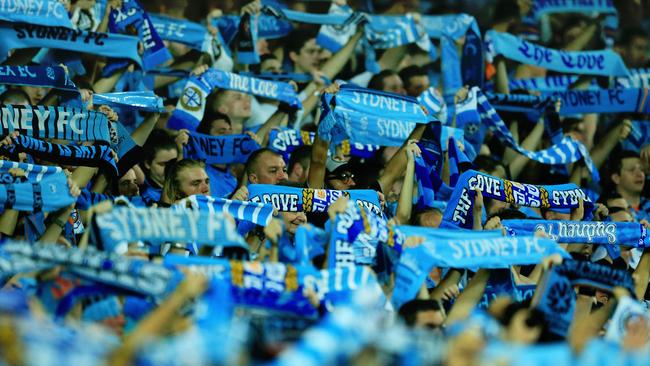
(405, 204)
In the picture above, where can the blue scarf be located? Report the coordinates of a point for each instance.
(434, 103)
(321, 344)
(269, 27)
(246, 40)
(457, 72)
(544, 8)
(226, 149)
(77, 155)
(334, 36)
(462, 249)
(271, 286)
(182, 31)
(368, 116)
(131, 14)
(605, 62)
(285, 140)
(546, 83)
(638, 78)
(602, 101)
(291, 199)
(191, 105)
(43, 76)
(142, 277)
(353, 237)
(555, 296)
(128, 152)
(257, 213)
(476, 109)
(19, 36)
(33, 172)
(47, 195)
(284, 76)
(591, 232)
(145, 101)
(459, 210)
(163, 224)
(46, 12)
(54, 122)
(309, 242)
(301, 17)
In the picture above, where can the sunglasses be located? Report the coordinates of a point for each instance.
(342, 176)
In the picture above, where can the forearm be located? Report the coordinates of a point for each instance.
(581, 41)
(601, 151)
(452, 278)
(392, 57)
(470, 296)
(8, 222)
(395, 165)
(277, 119)
(335, 64)
(405, 204)
(56, 222)
(316, 178)
(107, 84)
(141, 134)
(642, 274)
(501, 84)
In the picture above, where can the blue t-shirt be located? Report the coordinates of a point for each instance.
(222, 182)
(150, 193)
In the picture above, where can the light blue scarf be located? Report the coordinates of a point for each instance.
(19, 36)
(166, 225)
(638, 78)
(589, 232)
(257, 213)
(54, 122)
(226, 149)
(145, 101)
(139, 276)
(334, 36)
(459, 210)
(291, 199)
(47, 195)
(269, 26)
(368, 116)
(33, 172)
(43, 76)
(45, 12)
(605, 62)
(463, 249)
(182, 31)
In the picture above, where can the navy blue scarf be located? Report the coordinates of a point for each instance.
(131, 14)
(226, 149)
(459, 210)
(43, 76)
(95, 156)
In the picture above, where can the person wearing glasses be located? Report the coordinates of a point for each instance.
(339, 174)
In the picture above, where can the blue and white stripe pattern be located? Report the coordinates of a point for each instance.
(255, 212)
(566, 151)
(33, 172)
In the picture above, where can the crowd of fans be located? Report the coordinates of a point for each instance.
(230, 182)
